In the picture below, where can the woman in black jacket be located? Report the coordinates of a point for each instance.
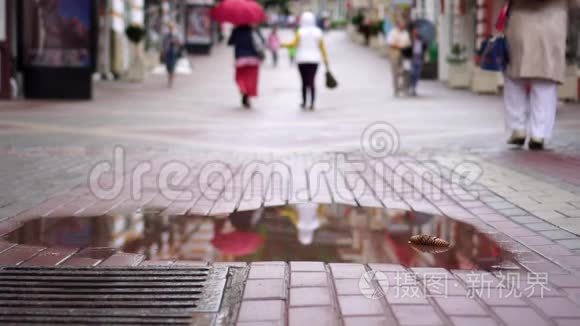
(248, 50)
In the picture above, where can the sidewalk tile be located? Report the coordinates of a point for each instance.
(323, 316)
(513, 316)
(306, 266)
(460, 306)
(557, 307)
(366, 321)
(387, 267)
(313, 296)
(265, 289)
(303, 279)
(347, 287)
(261, 310)
(500, 297)
(405, 295)
(258, 271)
(347, 270)
(473, 321)
(423, 315)
(358, 305)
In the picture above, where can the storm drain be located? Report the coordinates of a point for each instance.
(107, 296)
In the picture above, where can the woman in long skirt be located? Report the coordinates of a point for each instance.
(248, 60)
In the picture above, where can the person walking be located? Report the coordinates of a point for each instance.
(248, 52)
(310, 52)
(274, 45)
(536, 34)
(170, 52)
(399, 42)
(418, 57)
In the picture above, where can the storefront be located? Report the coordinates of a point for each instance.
(5, 48)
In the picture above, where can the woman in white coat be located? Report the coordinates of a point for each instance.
(536, 34)
(310, 52)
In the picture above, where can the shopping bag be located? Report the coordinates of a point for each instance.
(407, 65)
(330, 80)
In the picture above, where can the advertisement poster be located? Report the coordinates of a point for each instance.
(57, 33)
(198, 27)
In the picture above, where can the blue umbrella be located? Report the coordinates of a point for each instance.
(426, 30)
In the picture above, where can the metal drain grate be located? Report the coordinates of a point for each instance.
(106, 296)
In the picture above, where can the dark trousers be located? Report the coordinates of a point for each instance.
(308, 74)
(274, 57)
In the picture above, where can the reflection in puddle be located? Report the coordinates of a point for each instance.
(319, 232)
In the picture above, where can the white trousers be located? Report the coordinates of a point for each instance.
(533, 113)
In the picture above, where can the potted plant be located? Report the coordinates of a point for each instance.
(135, 34)
(353, 27)
(459, 72)
(376, 30)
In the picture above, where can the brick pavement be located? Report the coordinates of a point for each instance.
(529, 202)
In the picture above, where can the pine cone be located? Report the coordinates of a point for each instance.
(428, 240)
(430, 249)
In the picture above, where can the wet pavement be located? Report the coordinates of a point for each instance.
(306, 232)
(445, 160)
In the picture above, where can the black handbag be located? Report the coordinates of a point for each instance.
(330, 80)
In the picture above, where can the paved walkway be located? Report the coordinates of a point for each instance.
(441, 153)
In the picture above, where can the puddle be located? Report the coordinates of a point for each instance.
(320, 232)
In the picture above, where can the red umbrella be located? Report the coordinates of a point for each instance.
(238, 12)
(238, 243)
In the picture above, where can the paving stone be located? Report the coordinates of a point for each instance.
(557, 307)
(347, 270)
(499, 297)
(570, 243)
(261, 310)
(303, 279)
(541, 227)
(473, 321)
(358, 305)
(324, 316)
(444, 288)
(516, 316)
(305, 266)
(258, 271)
(417, 315)
(312, 296)
(405, 295)
(265, 289)
(535, 241)
(525, 219)
(366, 321)
(558, 234)
(261, 323)
(460, 306)
(565, 280)
(432, 273)
(567, 322)
(347, 287)
(387, 267)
